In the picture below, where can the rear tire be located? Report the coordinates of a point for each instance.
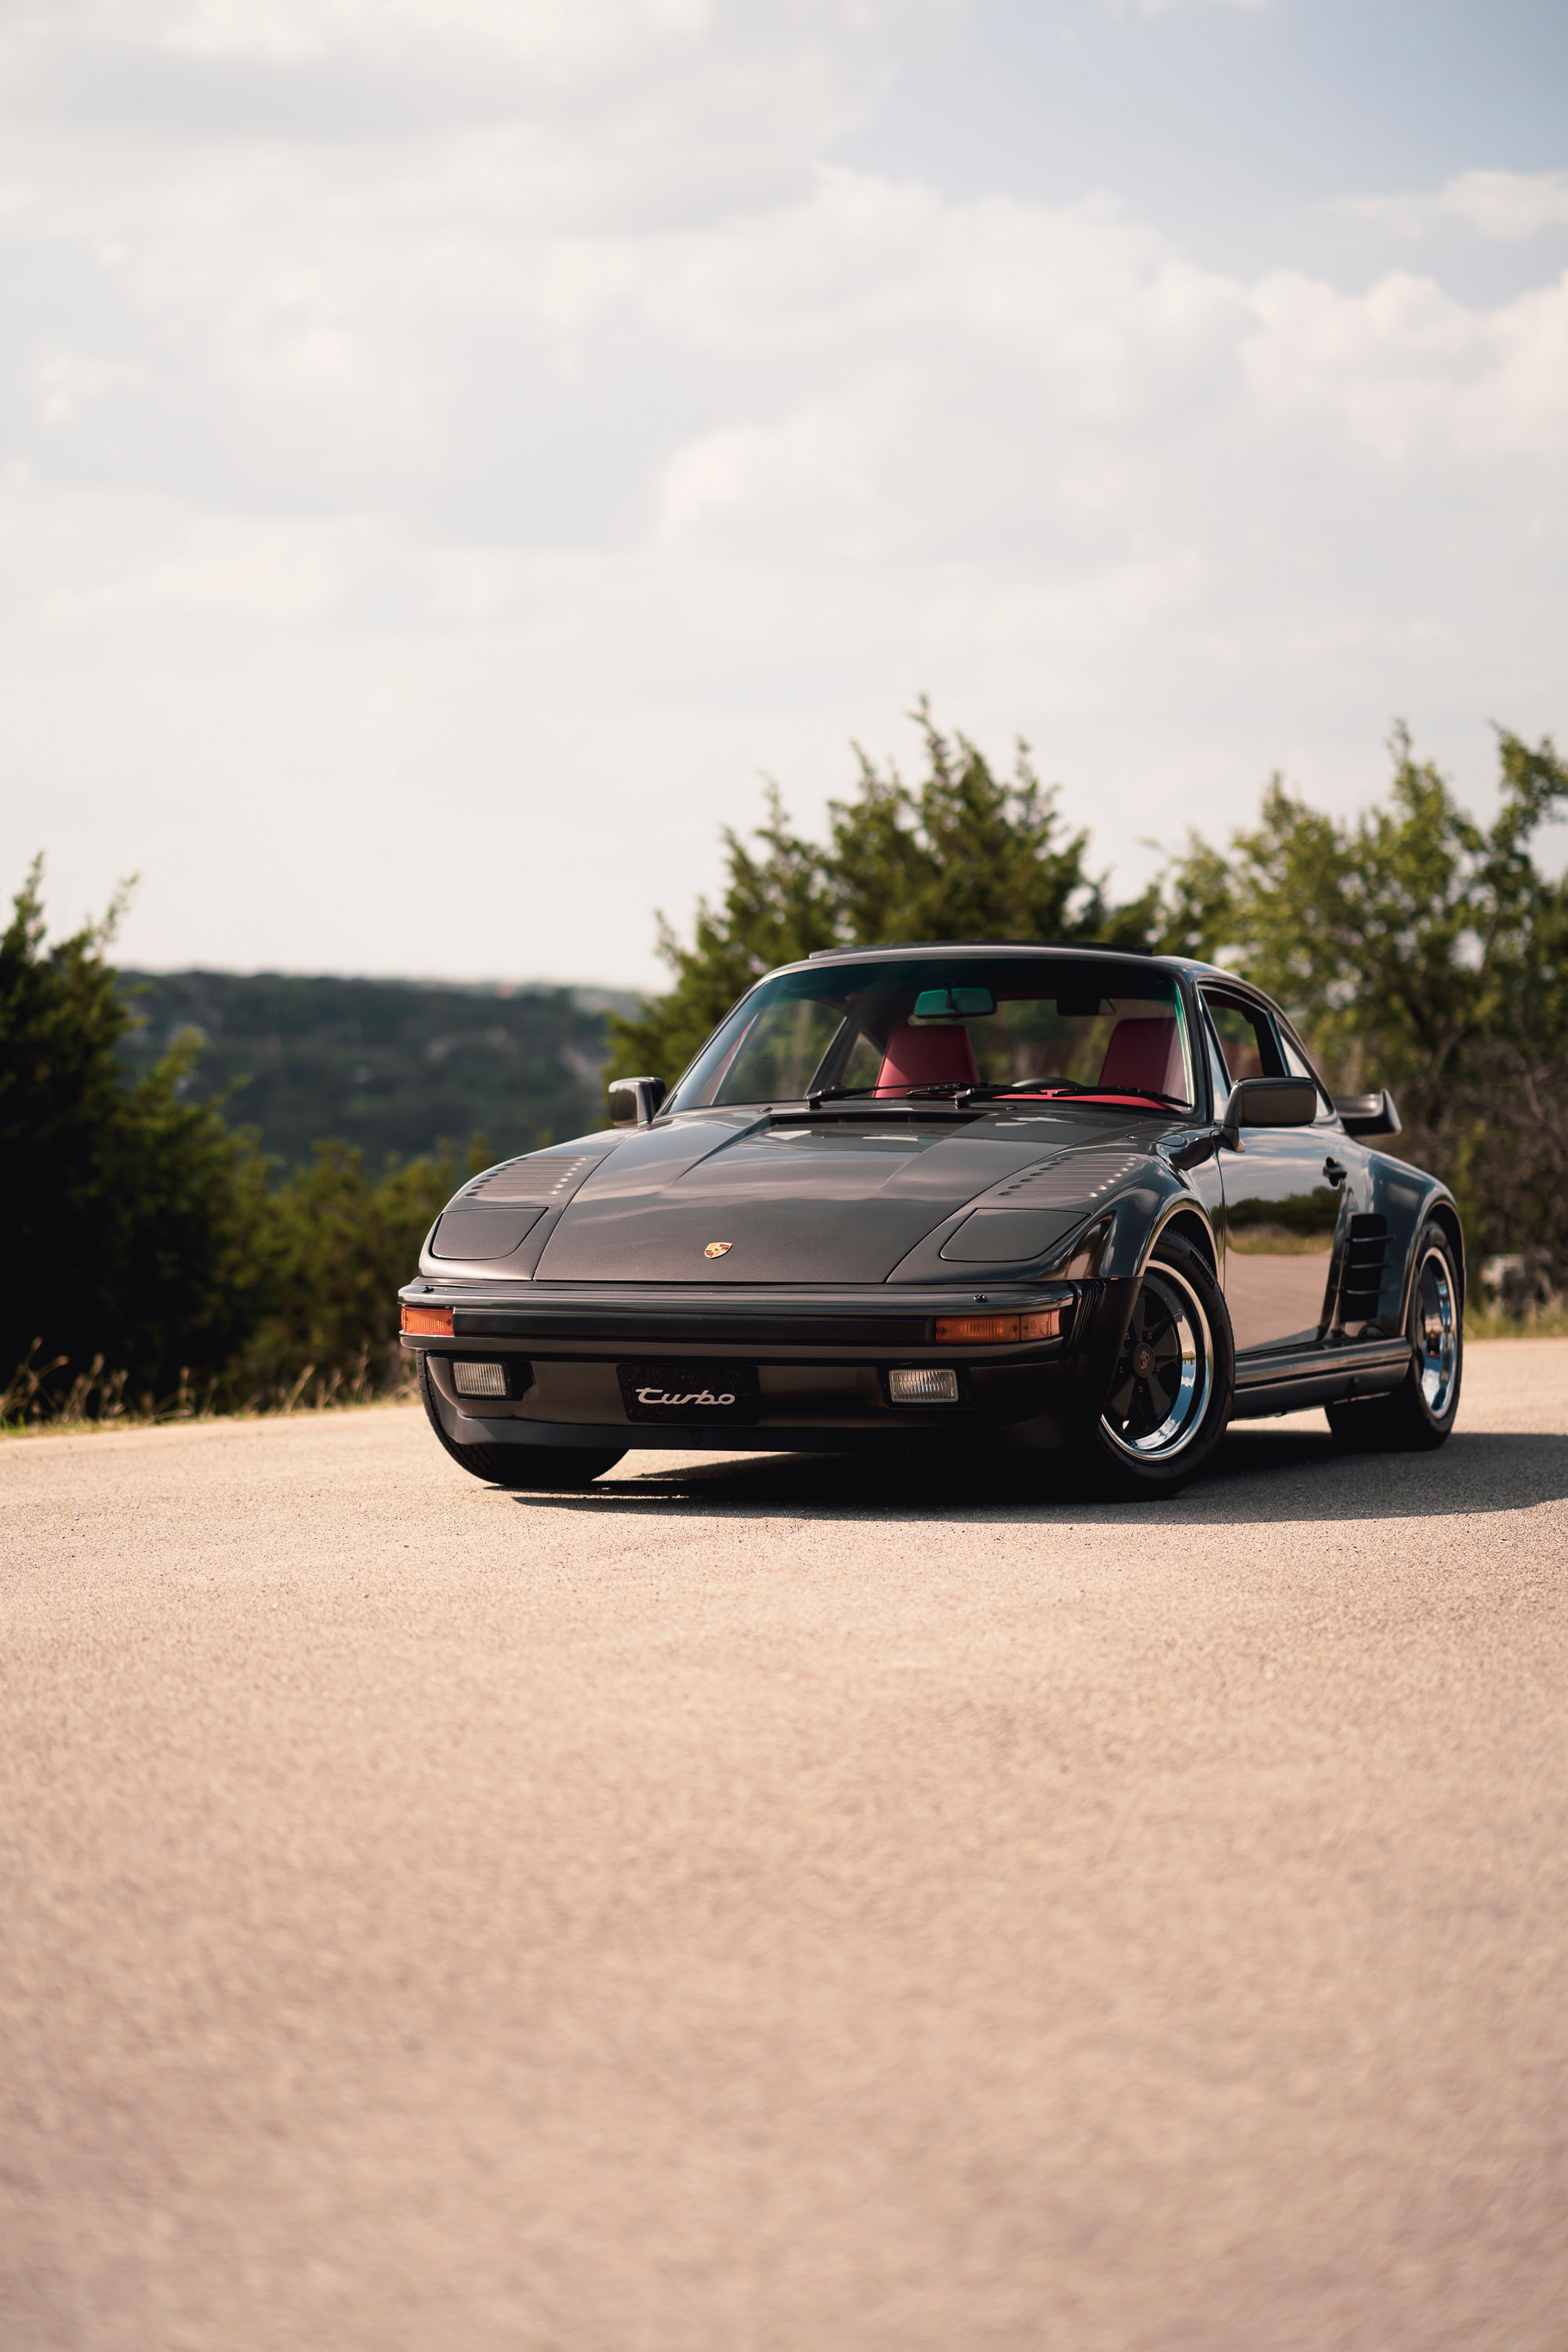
(526, 1469)
(1419, 1416)
(1170, 1395)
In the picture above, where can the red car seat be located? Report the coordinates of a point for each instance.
(927, 1057)
(1145, 1052)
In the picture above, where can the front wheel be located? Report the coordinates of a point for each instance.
(527, 1469)
(1170, 1395)
(1420, 1413)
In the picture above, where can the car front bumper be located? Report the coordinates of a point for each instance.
(820, 1357)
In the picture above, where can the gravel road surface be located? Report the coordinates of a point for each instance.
(771, 1906)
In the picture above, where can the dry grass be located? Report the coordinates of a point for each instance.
(1535, 1323)
(98, 1399)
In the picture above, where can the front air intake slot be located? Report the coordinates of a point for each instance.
(494, 1216)
(1011, 1232)
(482, 1232)
(1028, 1213)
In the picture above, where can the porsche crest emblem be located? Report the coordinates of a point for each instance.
(717, 1249)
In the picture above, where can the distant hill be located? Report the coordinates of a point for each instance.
(396, 1067)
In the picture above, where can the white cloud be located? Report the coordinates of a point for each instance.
(1412, 375)
(1148, 8)
(69, 381)
(565, 453)
(667, 96)
(1509, 205)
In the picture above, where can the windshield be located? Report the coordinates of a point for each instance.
(889, 1029)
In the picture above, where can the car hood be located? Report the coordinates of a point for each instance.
(839, 1200)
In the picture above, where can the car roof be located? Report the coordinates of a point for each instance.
(1099, 949)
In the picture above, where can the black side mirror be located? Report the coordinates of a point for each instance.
(634, 1101)
(1268, 1102)
(1368, 1114)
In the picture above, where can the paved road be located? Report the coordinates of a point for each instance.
(768, 1907)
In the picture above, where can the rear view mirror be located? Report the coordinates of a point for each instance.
(1368, 1114)
(1268, 1102)
(634, 1102)
(947, 1004)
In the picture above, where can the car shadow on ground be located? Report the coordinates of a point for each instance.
(1258, 1474)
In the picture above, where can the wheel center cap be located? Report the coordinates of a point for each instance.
(1143, 1361)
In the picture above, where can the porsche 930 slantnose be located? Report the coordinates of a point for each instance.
(1012, 1199)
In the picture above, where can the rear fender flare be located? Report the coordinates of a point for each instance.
(1437, 1209)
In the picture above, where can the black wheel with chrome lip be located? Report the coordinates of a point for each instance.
(1170, 1395)
(1420, 1413)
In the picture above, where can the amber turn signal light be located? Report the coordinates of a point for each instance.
(434, 1321)
(974, 1330)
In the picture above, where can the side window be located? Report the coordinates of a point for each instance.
(1246, 1039)
(1296, 1062)
(1219, 1075)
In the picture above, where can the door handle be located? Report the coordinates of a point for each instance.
(1334, 1173)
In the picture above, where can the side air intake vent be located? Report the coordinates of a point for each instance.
(1366, 1268)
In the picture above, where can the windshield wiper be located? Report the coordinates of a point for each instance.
(1145, 1094)
(944, 1090)
(982, 1093)
(936, 1101)
(1036, 1089)
(969, 1090)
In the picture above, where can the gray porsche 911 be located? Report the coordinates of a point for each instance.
(1012, 1199)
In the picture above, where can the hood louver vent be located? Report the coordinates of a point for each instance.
(1080, 1178)
(538, 1181)
(1029, 1214)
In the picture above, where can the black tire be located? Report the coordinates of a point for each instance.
(1169, 1400)
(537, 1469)
(1419, 1414)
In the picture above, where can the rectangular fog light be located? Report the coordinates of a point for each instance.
(481, 1379)
(923, 1388)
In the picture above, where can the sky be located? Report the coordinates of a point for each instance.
(451, 451)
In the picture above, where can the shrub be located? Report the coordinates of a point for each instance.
(140, 1226)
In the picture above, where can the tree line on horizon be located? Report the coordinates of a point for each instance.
(157, 1265)
(392, 1066)
(1413, 947)
(159, 1262)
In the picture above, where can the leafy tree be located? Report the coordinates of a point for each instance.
(138, 1222)
(341, 1246)
(778, 907)
(146, 1233)
(964, 853)
(1415, 946)
(1418, 949)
